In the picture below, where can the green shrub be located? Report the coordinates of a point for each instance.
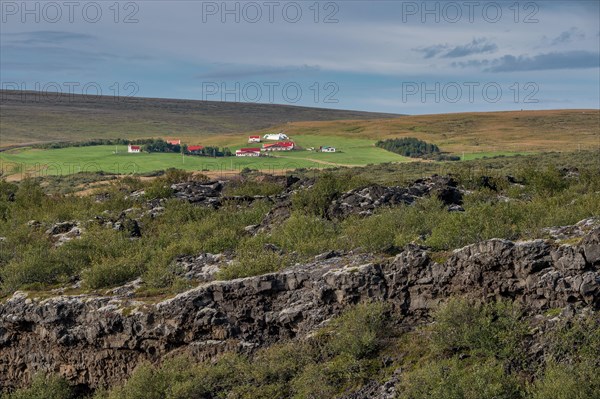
(315, 200)
(544, 182)
(394, 226)
(568, 381)
(29, 194)
(328, 378)
(358, 332)
(459, 379)
(43, 387)
(305, 234)
(579, 340)
(253, 260)
(493, 329)
(112, 271)
(158, 189)
(36, 264)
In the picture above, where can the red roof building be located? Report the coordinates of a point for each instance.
(279, 146)
(248, 152)
(134, 148)
(254, 139)
(174, 142)
(192, 148)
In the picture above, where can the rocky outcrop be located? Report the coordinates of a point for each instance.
(203, 267)
(62, 232)
(205, 193)
(95, 340)
(364, 201)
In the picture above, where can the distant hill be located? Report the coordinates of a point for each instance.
(28, 117)
(476, 132)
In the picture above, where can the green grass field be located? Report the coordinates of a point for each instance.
(350, 151)
(111, 159)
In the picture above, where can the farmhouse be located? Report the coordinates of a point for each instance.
(134, 148)
(328, 149)
(254, 139)
(248, 152)
(174, 142)
(276, 136)
(279, 146)
(195, 148)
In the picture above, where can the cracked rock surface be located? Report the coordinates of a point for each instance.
(95, 340)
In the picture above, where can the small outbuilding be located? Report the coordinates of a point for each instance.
(134, 148)
(254, 139)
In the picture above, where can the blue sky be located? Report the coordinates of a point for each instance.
(388, 56)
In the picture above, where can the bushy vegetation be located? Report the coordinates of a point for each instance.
(103, 257)
(408, 147)
(341, 357)
(43, 387)
(159, 145)
(480, 351)
(471, 350)
(92, 142)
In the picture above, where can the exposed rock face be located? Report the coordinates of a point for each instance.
(95, 340)
(63, 232)
(199, 192)
(202, 267)
(365, 200)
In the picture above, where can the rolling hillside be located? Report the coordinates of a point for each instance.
(29, 118)
(494, 132)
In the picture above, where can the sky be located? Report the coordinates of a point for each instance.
(403, 57)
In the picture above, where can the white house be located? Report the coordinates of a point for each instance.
(276, 136)
(133, 148)
(328, 149)
(279, 146)
(254, 139)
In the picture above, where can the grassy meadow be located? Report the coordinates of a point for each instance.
(103, 158)
(115, 159)
(470, 136)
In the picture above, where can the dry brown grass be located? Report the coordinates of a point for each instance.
(536, 131)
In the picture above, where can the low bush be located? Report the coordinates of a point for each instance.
(305, 235)
(251, 188)
(254, 259)
(323, 366)
(460, 379)
(43, 387)
(494, 330)
(568, 381)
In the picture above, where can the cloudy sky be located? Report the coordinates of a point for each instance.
(389, 56)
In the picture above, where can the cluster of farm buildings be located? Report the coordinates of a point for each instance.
(282, 143)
